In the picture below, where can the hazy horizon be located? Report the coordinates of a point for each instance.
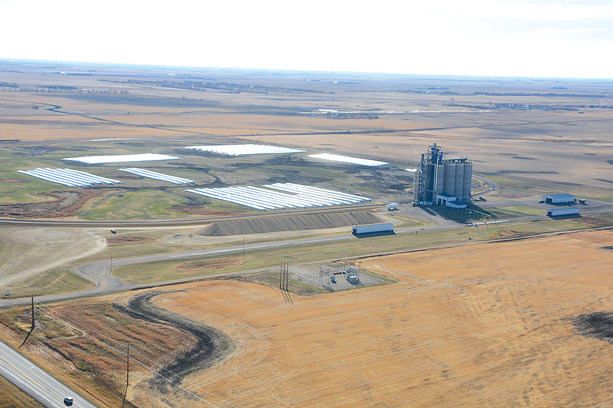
(169, 67)
(499, 38)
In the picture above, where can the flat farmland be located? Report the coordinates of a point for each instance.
(521, 323)
(537, 135)
(480, 325)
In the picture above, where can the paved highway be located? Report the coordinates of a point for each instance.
(35, 382)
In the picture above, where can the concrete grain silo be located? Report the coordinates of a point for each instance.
(441, 181)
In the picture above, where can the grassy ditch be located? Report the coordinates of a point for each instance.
(11, 396)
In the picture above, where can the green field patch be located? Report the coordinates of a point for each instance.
(364, 189)
(26, 191)
(221, 205)
(162, 271)
(496, 213)
(147, 204)
(126, 251)
(524, 210)
(209, 264)
(52, 282)
(407, 222)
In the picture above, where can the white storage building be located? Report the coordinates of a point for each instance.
(559, 198)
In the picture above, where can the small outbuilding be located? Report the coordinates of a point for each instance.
(449, 201)
(456, 205)
(559, 198)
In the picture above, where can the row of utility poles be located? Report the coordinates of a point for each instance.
(284, 282)
(33, 326)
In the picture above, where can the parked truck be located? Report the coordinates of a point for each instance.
(558, 212)
(392, 207)
(373, 228)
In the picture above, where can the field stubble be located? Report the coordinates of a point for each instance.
(486, 325)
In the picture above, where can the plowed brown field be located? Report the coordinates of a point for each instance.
(479, 325)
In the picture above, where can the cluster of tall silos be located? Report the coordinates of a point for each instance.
(439, 176)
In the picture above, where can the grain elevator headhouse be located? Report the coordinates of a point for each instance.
(442, 181)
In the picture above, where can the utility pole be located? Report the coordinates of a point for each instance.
(33, 325)
(111, 262)
(286, 277)
(127, 377)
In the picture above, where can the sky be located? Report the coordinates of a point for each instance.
(519, 38)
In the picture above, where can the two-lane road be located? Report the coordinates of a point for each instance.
(36, 382)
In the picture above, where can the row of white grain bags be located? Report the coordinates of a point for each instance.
(157, 176)
(68, 177)
(262, 199)
(307, 191)
(253, 197)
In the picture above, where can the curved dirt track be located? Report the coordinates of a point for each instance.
(211, 344)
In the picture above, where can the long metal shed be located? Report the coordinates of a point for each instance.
(559, 198)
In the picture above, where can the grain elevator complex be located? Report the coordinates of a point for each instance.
(442, 181)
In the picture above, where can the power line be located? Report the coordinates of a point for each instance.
(137, 361)
(43, 309)
(111, 339)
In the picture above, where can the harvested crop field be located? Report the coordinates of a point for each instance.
(289, 223)
(490, 324)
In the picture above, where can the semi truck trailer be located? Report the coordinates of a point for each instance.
(373, 228)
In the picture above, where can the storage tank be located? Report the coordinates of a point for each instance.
(429, 183)
(449, 187)
(459, 181)
(468, 178)
(440, 178)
